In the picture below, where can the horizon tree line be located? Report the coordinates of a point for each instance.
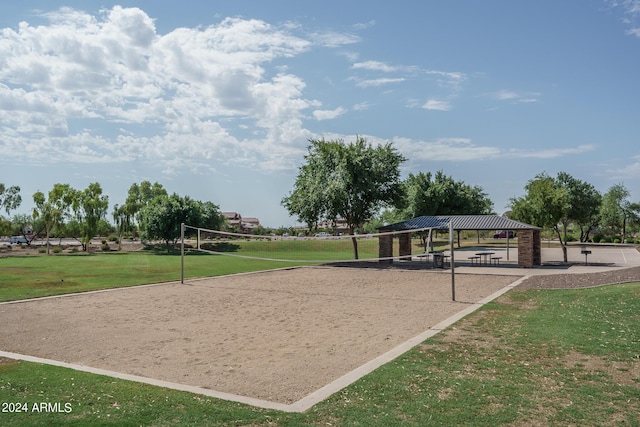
(355, 182)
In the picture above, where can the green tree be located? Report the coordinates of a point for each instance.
(139, 196)
(546, 205)
(584, 205)
(349, 181)
(53, 208)
(10, 198)
(89, 207)
(126, 216)
(122, 220)
(162, 216)
(429, 195)
(616, 210)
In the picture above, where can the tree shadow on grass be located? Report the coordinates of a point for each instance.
(220, 247)
(161, 248)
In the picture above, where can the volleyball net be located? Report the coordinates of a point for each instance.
(270, 252)
(320, 248)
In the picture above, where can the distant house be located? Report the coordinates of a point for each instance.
(234, 219)
(243, 225)
(250, 223)
(338, 226)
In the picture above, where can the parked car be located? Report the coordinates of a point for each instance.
(18, 239)
(502, 234)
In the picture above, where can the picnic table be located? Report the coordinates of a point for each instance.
(485, 256)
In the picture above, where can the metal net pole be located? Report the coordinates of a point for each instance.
(453, 263)
(182, 252)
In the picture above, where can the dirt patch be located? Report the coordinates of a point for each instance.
(5, 361)
(622, 373)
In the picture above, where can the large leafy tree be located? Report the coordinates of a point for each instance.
(550, 203)
(545, 205)
(617, 210)
(126, 215)
(10, 198)
(349, 181)
(53, 208)
(162, 216)
(584, 205)
(89, 207)
(427, 194)
(138, 197)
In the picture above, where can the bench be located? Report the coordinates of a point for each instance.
(475, 260)
(496, 260)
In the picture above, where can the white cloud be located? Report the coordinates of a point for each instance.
(374, 66)
(436, 104)
(631, 14)
(328, 114)
(332, 39)
(379, 82)
(448, 79)
(518, 97)
(361, 106)
(634, 32)
(364, 25)
(182, 95)
(630, 171)
(444, 149)
(550, 153)
(463, 149)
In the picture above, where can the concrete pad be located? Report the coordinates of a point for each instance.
(602, 258)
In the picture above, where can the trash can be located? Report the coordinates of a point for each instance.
(438, 260)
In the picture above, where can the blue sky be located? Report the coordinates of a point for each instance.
(217, 100)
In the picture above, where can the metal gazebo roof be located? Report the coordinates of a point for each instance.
(460, 222)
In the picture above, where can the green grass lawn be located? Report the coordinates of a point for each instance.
(36, 275)
(561, 357)
(297, 249)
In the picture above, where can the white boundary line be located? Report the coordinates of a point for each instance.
(174, 386)
(623, 257)
(301, 405)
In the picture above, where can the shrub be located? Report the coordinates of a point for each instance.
(105, 246)
(616, 240)
(57, 250)
(597, 238)
(42, 250)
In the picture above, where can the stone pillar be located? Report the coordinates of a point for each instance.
(405, 246)
(385, 248)
(529, 252)
(537, 247)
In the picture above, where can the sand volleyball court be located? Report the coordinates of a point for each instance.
(275, 336)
